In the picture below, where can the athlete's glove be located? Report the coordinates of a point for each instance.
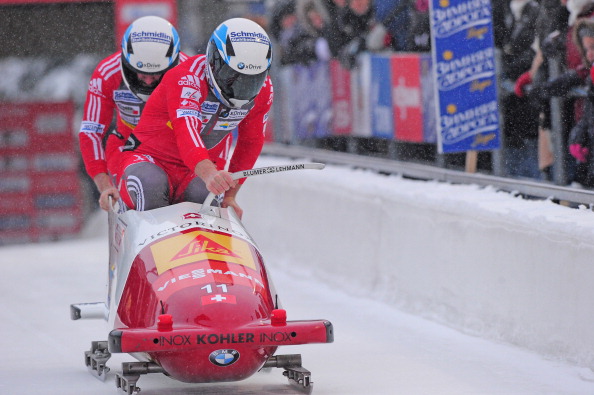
(579, 152)
(521, 83)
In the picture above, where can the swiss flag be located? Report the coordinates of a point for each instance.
(192, 215)
(218, 298)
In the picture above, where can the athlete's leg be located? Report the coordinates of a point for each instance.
(196, 191)
(147, 186)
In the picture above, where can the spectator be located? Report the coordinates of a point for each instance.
(551, 29)
(308, 44)
(283, 25)
(519, 116)
(121, 83)
(581, 138)
(389, 30)
(336, 40)
(184, 134)
(419, 35)
(355, 21)
(575, 74)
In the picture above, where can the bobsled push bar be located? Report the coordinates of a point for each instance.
(160, 339)
(263, 170)
(132, 340)
(89, 310)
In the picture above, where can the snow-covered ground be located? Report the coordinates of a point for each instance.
(378, 348)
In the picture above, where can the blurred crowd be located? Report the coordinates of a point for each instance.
(546, 51)
(311, 30)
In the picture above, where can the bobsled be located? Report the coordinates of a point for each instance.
(189, 296)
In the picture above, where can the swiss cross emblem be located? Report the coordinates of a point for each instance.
(210, 299)
(192, 215)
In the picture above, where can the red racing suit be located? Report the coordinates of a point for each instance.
(183, 123)
(108, 91)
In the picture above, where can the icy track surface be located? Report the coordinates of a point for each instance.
(377, 350)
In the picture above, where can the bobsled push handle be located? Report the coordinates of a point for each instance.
(265, 170)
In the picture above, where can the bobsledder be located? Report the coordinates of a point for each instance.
(189, 296)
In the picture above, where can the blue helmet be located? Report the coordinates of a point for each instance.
(239, 56)
(150, 46)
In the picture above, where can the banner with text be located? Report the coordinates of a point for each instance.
(40, 191)
(464, 74)
(311, 100)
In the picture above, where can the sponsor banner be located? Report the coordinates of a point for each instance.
(129, 109)
(465, 76)
(39, 171)
(199, 246)
(15, 237)
(56, 220)
(52, 123)
(361, 93)
(14, 184)
(382, 122)
(342, 103)
(428, 98)
(209, 107)
(202, 274)
(15, 203)
(13, 137)
(407, 97)
(53, 201)
(12, 2)
(181, 112)
(54, 162)
(311, 100)
(55, 182)
(125, 96)
(282, 105)
(16, 163)
(15, 222)
(91, 127)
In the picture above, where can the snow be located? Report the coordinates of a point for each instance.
(379, 348)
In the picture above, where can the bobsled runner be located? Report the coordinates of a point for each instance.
(189, 296)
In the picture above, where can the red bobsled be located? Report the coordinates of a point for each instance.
(189, 296)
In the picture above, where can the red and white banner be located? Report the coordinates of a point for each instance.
(40, 194)
(12, 2)
(342, 103)
(407, 97)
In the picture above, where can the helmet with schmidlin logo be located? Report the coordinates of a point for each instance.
(239, 57)
(150, 47)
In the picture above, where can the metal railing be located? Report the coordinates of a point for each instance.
(571, 197)
(436, 169)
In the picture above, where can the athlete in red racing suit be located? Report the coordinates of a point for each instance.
(184, 136)
(107, 92)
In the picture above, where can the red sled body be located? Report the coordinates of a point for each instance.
(189, 296)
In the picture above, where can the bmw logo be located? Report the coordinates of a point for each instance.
(224, 357)
(240, 65)
(139, 65)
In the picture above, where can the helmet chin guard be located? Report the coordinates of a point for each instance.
(150, 46)
(239, 57)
